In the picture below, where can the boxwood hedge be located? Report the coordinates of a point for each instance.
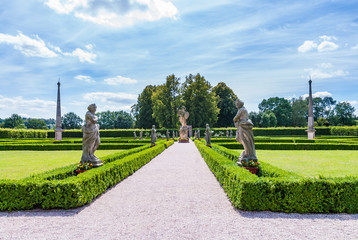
(283, 192)
(61, 189)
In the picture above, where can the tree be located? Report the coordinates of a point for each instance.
(344, 114)
(323, 108)
(268, 119)
(166, 100)
(281, 107)
(71, 121)
(36, 124)
(200, 101)
(15, 121)
(114, 120)
(299, 112)
(255, 118)
(226, 104)
(124, 120)
(143, 110)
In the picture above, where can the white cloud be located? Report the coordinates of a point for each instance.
(324, 44)
(318, 94)
(27, 107)
(353, 102)
(119, 80)
(84, 56)
(36, 47)
(324, 71)
(115, 13)
(32, 47)
(109, 98)
(87, 79)
(355, 47)
(307, 46)
(65, 6)
(327, 46)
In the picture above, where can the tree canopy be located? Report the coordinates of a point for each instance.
(71, 121)
(226, 104)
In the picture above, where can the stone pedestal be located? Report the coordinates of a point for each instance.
(311, 134)
(58, 134)
(183, 134)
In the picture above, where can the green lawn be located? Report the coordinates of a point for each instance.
(21, 164)
(313, 163)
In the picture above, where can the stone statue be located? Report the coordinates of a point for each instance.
(207, 135)
(91, 140)
(227, 134)
(195, 134)
(173, 135)
(140, 134)
(153, 136)
(135, 135)
(244, 133)
(167, 135)
(198, 133)
(230, 133)
(183, 131)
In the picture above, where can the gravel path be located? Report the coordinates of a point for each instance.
(175, 196)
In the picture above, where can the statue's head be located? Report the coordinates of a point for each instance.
(92, 108)
(153, 126)
(207, 125)
(239, 103)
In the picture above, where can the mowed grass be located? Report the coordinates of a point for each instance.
(21, 164)
(333, 163)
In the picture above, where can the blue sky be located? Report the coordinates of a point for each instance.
(107, 51)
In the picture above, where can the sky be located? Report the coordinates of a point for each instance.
(107, 51)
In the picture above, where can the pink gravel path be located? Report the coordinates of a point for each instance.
(175, 196)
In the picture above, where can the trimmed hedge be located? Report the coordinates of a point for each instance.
(281, 194)
(345, 131)
(295, 146)
(72, 191)
(65, 147)
(22, 133)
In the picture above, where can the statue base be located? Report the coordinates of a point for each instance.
(58, 134)
(96, 162)
(311, 134)
(183, 140)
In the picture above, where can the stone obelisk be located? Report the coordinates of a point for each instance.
(311, 131)
(58, 130)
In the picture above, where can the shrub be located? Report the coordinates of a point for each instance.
(345, 131)
(296, 146)
(22, 133)
(60, 189)
(285, 192)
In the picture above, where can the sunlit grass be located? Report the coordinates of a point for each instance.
(313, 163)
(21, 164)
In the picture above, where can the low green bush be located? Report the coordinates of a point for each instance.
(69, 191)
(283, 193)
(77, 133)
(66, 147)
(22, 133)
(345, 131)
(296, 146)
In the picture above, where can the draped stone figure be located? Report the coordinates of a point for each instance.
(167, 135)
(91, 140)
(207, 135)
(244, 133)
(153, 136)
(183, 131)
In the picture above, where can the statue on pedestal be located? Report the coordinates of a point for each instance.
(135, 135)
(153, 136)
(168, 135)
(91, 140)
(208, 135)
(244, 133)
(183, 131)
(198, 134)
(141, 135)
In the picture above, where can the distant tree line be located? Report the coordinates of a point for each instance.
(158, 105)
(280, 112)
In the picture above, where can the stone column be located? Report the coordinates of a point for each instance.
(311, 131)
(58, 130)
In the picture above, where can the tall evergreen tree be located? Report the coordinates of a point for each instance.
(143, 110)
(226, 104)
(166, 100)
(200, 101)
